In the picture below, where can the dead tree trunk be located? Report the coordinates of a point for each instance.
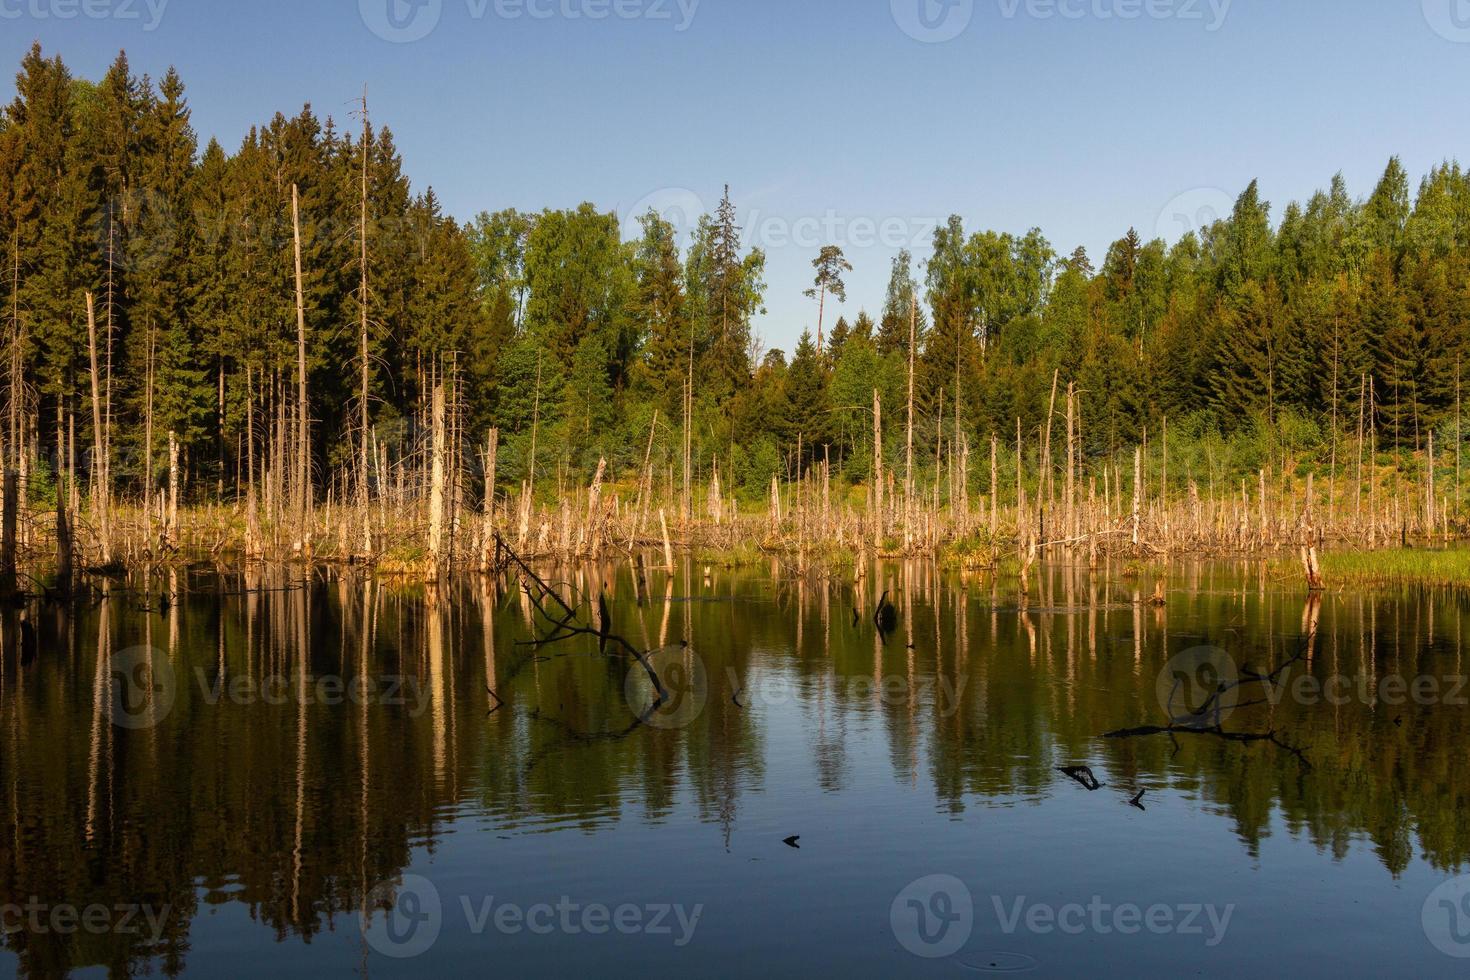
(173, 488)
(100, 505)
(908, 474)
(364, 505)
(492, 451)
(1137, 497)
(877, 472)
(436, 486)
(591, 537)
(148, 438)
(303, 432)
(8, 524)
(64, 546)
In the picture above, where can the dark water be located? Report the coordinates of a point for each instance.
(174, 802)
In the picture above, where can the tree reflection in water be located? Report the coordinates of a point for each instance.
(426, 712)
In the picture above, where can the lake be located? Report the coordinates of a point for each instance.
(219, 770)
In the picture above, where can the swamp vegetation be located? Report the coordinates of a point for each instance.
(285, 352)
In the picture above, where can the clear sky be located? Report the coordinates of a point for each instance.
(862, 122)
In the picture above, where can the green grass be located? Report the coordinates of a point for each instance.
(1425, 566)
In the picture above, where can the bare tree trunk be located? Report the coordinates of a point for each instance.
(148, 438)
(687, 502)
(1137, 496)
(645, 483)
(17, 383)
(1070, 510)
(1164, 485)
(64, 544)
(1312, 568)
(492, 451)
(303, 421)
(1332, 481)
(1429, 518)
(9, 496)
(590, 542)
(908, 475)
(436, 485)
(663, 525)
(1020, 490)
(1358, 487)
(877, 472)
(994, 483)
(535, 431)
(1265, 525)
(363, 503)
(1045, 483)
(173, 488)
(100, 505)
(821, 310)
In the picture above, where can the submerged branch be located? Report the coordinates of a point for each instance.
(567, 625)
(1212, 731)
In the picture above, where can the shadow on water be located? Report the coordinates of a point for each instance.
(280, 744)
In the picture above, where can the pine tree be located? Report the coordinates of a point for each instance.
(660, 310)
(1247, 355)
(902, 297)
(211, 278)
(806, 392)
(1386, 212)
(831, 265)
(1395, 348)
(729, 287)
(1247, 247)
(159, 260)
(587, 400)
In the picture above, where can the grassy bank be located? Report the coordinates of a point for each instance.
(1395, 565)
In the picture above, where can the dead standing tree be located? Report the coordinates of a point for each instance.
(364, 354)
(100, 476)
(303, 432)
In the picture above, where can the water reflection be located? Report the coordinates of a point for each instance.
(281, 742)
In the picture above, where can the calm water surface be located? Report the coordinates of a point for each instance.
(220, 773)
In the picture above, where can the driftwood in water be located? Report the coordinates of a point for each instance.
(1083, 776)
(1205, 719)
(563, 622)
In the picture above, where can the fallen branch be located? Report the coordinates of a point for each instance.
(1213, 731)
(1083, 776)
(567, 626)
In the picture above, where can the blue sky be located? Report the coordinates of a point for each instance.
(859, 121)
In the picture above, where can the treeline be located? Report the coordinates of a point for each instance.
(1343, 316)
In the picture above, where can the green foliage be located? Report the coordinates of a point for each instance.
(1257, 343)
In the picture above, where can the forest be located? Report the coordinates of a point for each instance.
(202, 311)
